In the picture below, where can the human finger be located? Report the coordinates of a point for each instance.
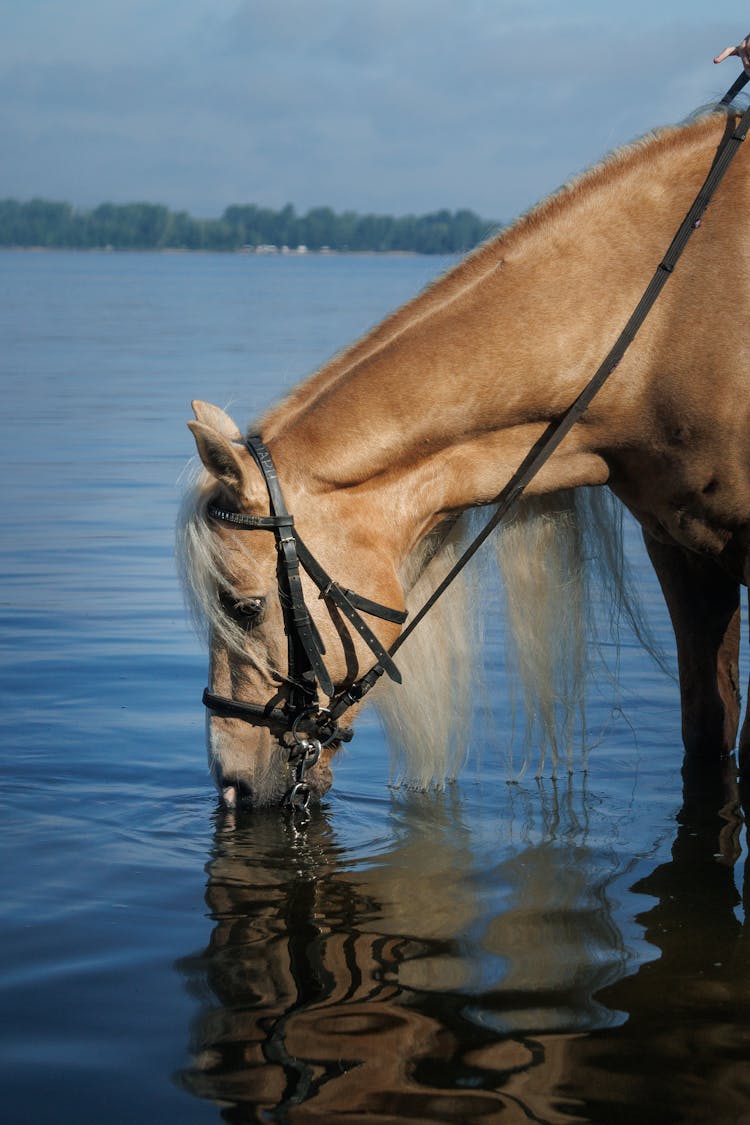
(726, 53)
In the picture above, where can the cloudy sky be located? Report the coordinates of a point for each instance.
(373, 105)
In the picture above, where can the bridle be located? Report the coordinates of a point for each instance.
(309, 726)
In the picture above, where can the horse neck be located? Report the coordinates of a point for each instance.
(432, 412)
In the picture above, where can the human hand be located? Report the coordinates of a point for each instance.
(742, 51)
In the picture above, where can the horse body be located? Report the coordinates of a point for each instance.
(430, 413)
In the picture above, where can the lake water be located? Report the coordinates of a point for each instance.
(550, 951)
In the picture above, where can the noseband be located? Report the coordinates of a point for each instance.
(309, 726)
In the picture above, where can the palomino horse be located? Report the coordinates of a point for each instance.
(379, 455)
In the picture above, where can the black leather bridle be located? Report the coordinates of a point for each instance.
(307, 724)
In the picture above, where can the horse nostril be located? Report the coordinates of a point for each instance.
(237, 792)
(229, 796)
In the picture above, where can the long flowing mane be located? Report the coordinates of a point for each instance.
(559, 578)
(550, 559)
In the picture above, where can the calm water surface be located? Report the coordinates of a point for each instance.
(568, 951)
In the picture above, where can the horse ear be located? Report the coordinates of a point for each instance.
(229, 463)
(214, 416)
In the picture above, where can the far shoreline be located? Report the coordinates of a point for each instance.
(184, 251)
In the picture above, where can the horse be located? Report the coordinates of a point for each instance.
(378, 460)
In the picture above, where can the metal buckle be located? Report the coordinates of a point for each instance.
(298, 798)
(326, 730)
(303, 757)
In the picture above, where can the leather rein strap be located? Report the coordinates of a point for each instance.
(301, 629)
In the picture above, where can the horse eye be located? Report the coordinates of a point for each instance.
(250, 607)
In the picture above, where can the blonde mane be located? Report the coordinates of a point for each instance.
(559, 577)
(203, 575)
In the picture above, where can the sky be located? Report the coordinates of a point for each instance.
(386, 106)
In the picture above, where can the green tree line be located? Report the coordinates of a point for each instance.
(151, 226)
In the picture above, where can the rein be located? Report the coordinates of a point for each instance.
(309, 726)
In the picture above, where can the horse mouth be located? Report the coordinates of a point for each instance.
(242, 793)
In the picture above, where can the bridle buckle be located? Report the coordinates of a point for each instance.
(302, 757)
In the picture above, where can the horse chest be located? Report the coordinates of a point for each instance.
(695, 495)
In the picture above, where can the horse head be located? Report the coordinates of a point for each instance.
(282, 644)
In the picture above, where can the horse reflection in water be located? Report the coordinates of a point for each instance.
(423, 986)
(406, 989)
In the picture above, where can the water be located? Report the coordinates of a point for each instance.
(551, 951)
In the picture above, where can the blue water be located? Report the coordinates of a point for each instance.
(567, 950)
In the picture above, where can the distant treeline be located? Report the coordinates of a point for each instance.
(151, 226)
